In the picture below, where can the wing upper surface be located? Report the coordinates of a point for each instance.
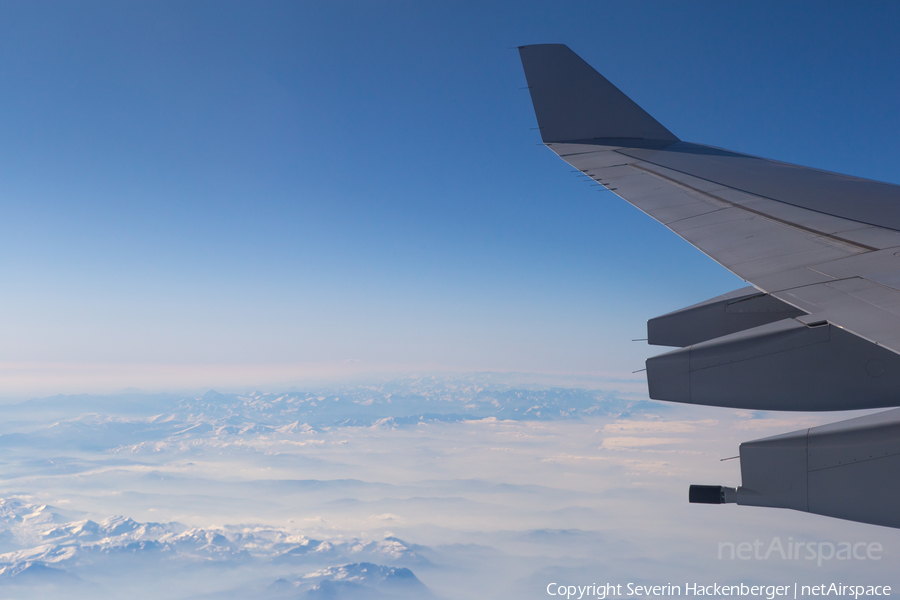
(826, 243)
(862, 200)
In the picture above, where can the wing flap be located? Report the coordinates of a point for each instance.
(875, 237)
(865, 308)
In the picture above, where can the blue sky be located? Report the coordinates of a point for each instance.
(296, 183)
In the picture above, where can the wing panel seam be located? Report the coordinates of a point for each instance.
(751, 210)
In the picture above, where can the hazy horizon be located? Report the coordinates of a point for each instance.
(477, 488)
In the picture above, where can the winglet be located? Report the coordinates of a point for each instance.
(573, 102)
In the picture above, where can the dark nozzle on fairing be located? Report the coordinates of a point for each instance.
(712, 494)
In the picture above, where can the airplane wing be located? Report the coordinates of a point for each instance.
(819, 328)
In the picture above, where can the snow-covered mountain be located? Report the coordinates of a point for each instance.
(41, 547)
(355, 581)
(134, 423)
(315, 493)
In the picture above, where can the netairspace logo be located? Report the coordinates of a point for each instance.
(817, 551)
